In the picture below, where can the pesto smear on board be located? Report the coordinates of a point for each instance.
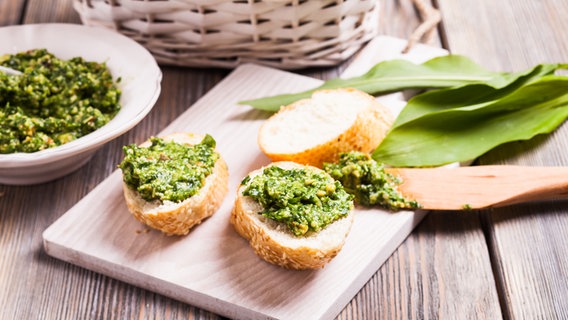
(368, 181)
(304, 200)
(54, 101)
(167, 170)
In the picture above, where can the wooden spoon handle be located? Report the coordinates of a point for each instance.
(482, 186)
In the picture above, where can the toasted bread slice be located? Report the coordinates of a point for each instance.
(178, 218)
(273, 242)
(315, 130)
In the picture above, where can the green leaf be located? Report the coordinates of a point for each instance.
(395, 75)
(449, 135)
(472, 95)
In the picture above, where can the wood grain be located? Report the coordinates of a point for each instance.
(415, 283)
(427, 279)
(11, 12)
(527, 243)
(419, 281)
(39, 11)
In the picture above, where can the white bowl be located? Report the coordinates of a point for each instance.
(140, 85)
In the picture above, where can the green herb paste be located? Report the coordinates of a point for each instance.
(167, 170)
(54, 101)
(368, 181)
(304, 200)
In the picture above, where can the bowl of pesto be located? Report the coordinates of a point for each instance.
(79, 88)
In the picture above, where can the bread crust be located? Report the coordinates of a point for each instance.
(178, 218)
(364, 134)
(274, 243)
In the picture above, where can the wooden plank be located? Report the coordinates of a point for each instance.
(11, 12)
(527, 243)
(437, 273)
(402, 19)
(39, 11)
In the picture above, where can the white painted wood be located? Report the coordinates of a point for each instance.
(213, 268)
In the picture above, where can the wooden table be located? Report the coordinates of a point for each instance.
(507, 263)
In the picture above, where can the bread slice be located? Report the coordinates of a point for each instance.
(315, 130)
(273, 242)
(178, 218)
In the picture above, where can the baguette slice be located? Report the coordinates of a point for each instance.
(178, 218)
(315, 130)
(273, 242)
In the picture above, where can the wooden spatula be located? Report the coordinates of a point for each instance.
(479, 187)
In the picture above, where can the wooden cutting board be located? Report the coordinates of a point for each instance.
(213, 268)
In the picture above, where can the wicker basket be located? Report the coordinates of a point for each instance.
(287, 34)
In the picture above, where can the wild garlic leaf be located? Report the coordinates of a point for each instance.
(471, 95)
(395, 75)
(465, 133)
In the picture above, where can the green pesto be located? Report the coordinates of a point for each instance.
(166, 170)
(54, 101)
(304, 200)
(368, 181)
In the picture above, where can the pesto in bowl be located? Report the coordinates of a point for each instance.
(139, 85)
(53, 101)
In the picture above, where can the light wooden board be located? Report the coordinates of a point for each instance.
(213, 268)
